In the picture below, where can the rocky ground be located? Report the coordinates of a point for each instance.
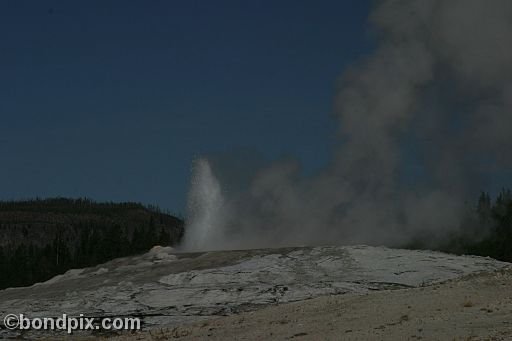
(477, 307)
(320, 292)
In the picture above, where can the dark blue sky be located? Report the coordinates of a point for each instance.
(113, 99)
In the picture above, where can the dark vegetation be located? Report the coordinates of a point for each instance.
(42, 238)
(486, 230)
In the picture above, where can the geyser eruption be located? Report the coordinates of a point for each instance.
(205, 209)
(424, 122)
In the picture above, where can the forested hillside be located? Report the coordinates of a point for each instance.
(42, 238)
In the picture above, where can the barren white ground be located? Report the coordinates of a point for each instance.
(474, 307)
(168, 289)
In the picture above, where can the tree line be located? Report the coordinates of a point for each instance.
(44, 238)
(486, 230)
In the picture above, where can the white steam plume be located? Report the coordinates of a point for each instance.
(438, 87)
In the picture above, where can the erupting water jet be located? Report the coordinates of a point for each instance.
(205, 209)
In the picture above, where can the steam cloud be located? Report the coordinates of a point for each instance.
(436, 93)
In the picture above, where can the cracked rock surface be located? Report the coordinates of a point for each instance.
(164, 287)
